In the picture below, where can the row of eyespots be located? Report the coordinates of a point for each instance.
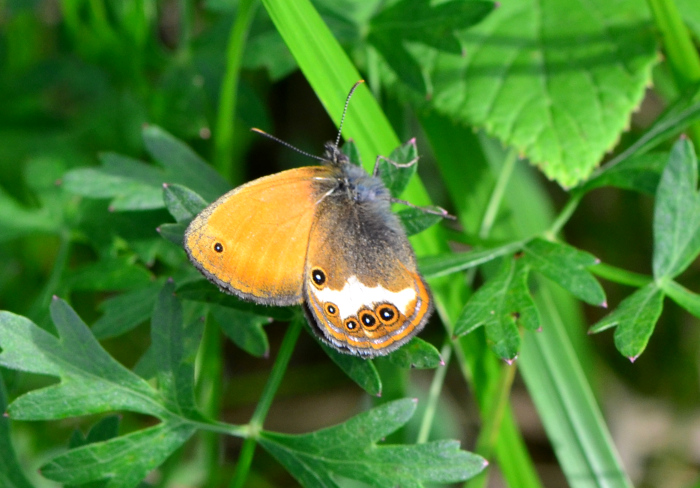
(384, 314)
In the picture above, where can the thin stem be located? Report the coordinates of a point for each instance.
(618, 275)
(59, 265)
(680, 51)
(273, 383)
(497, 195)
(434, 394)
(564, 215)
(228, 97)
(209, 393)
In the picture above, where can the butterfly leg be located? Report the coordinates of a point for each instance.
(412, 162)
(435, 210)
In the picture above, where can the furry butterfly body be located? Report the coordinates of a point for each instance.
(323, 236)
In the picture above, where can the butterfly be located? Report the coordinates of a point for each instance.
(323, 236)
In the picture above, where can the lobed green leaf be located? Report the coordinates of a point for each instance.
(635, 318)
(245, 329)
(417, 354)
(566, 266)
(500, 305)
(321, 459)
(677, 213)
(182, 203)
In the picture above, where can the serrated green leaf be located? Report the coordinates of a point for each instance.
(566, 266)
(416, 354)
(361, 371)
(416, 220)
(638, 173)
(444, 264)
(11, 475)
(245, 329)
(182, 165)
(175, 354)
(635, 318)
(421, 21)
(319, 459)
(119, 273)
(677, 117)
(174, 233)
(682, 296)
(677, 213)
(397, 170)
(182, 203)
(561, 91)
(500, 305)
(125, 460)
(91, 380)
(124, 312)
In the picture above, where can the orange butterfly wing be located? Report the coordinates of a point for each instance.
(253, 241)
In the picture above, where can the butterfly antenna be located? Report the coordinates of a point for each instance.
(345, 109)
(286, 144)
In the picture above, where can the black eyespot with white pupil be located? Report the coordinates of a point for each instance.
(218, 247)
(331, 309)
(351, 324)
(318, 276)
(368, 319)
(386, 314)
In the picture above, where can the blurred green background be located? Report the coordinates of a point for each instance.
(80, 78)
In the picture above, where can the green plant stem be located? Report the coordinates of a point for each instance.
(228, 96)
(564, 215)
(680, 51)
(434, 394)
(40, 307)
(617, 275)
(273, 383)
(497, 194)
(209, 392)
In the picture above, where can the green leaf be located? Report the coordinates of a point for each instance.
(552, 83)
(11, 475)
(444, 264)
(677, 117)
(125, 460)
(361, 371)
(638, 173)
(635, 318)
(566, 266)
(321, 459)
(245, 329)
(129, 183)
(677, 213)
(174, 233)
(398, 169)
(417, 354)
(421, 21)
(182, 165)
(182, 203)
(124, 312)
(17, 220)
(416, 219)
(682, 296)
(91, 380)
(203, 291)
(175, 349)
(500, 305)
(119, 273)
(350, 150)
(107, 428)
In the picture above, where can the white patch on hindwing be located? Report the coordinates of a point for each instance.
(355, 296)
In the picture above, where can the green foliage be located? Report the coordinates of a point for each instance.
(111, 117)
